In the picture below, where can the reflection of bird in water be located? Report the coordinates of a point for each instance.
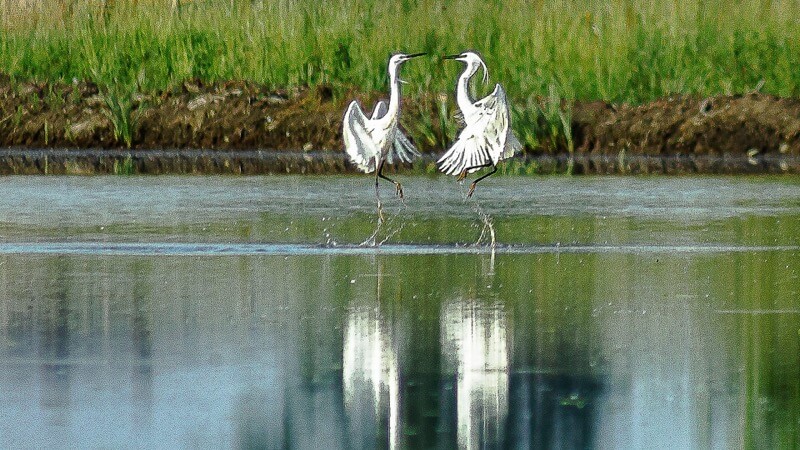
(371, 142)
(475, 346)
(487, 137)
(370, 371)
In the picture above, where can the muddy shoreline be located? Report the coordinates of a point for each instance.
(242, 128)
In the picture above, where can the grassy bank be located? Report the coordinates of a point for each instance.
(543, 52)
(614, 50)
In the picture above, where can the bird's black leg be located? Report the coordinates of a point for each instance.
(464, 172)
(397, 186)
(475, 183)
(378, 195)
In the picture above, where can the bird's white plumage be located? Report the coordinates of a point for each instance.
(368, 141)
(381, 108)
(365, 139)
(357, 139)
(487, 137)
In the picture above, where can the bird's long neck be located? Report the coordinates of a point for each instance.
(462, 91)
(394, 95)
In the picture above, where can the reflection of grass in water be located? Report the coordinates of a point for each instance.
(771, 351)
(759, 309)
(124, 167)
(514, 166)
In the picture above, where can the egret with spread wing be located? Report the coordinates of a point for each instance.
(371, 142)
(487, 137)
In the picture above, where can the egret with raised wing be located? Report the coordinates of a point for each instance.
(372, 142)
(487, 137)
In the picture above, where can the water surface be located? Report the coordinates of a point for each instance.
(241, 312)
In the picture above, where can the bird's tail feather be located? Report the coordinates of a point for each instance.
(452, 162)
(464, 154)
(364, 164)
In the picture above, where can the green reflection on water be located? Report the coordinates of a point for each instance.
(350, 229)
(574, 349)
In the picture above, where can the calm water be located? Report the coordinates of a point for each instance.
(205, 312)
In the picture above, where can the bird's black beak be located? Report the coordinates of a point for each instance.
(451, 57)
(414, 55)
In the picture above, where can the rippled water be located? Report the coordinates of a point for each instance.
(241, 312)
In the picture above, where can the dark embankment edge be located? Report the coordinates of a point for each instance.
(79, 128)
(259, 162)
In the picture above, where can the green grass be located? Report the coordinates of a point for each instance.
(612, 49)
(544, 53)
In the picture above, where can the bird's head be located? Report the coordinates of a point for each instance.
(400, 58)
(473, 61)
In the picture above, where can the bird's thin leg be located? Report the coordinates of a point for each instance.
(397, 186)
(464, 172)
(474, 183)
(378, 194)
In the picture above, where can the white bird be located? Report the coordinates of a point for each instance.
(371, 142)
(487, 137)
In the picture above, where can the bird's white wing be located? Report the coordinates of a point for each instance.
(496, 119)
(469, 151)
(358, 142)
(512, 145)
(402, 148)
(380, 110)
(483, 140)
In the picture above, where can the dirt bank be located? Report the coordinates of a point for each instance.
(730, 134)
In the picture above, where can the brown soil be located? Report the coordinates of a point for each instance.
(753, 124)
(242, 115)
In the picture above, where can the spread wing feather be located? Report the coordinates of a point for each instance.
(360, 145)
(357, 140)
(380, 110)
(486, 138)
(402, 148)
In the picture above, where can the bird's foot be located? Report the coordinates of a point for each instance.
(462, 175)
(471, 190)
(398, 189)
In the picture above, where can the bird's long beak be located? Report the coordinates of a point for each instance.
(451, 57)
(414, 55)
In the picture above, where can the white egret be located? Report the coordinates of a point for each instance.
(371, 142)
(487, 137)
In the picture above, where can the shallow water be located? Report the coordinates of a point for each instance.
(241, 312)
